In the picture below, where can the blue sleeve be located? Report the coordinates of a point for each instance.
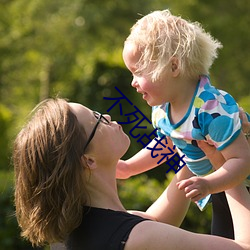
(219, 120)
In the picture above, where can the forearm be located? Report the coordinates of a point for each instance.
(171, 207)
(239, 203)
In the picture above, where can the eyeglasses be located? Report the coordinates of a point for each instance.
(100, 118)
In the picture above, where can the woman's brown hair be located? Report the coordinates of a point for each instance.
(49, 182)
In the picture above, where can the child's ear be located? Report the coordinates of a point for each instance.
(175, 66)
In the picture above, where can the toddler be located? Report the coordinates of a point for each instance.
(170, 59)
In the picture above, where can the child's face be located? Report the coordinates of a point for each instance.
(152, 92)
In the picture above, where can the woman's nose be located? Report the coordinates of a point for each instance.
(108, 117)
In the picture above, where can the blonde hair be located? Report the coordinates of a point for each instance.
(49, 186)
(160, 36)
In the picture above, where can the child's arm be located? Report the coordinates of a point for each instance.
(142, 161)
(233, 172)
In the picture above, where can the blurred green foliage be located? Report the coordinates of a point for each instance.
(72, 48)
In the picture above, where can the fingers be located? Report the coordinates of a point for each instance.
(191, 193)
(244, 120)
(184, 183)
(243, 116)
(194, 195)
(215, 157)
(189, 189)
(206, 148)
(195, 188)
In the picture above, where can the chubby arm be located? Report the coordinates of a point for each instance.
(142, 161)
(235, 169)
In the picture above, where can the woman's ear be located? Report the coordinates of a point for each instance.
(90, 161)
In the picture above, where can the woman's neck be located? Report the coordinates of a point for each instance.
(102, 189)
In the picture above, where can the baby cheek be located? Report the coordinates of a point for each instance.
(146, 85)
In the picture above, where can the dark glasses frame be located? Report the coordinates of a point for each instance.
(100, 118)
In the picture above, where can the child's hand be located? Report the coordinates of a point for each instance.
(122, 170)
(194, 187)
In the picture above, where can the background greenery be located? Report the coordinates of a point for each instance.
(72, 48)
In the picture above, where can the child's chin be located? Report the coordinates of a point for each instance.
(152, 103)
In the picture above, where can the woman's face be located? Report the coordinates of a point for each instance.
(109, 140)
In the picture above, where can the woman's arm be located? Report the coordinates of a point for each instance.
(160, 236)
(171, 207)
(239, 203)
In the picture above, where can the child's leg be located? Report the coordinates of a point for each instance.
(222, 224)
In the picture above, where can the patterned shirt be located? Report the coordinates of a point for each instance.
(213, 115)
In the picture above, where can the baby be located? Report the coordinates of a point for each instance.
(170, 59)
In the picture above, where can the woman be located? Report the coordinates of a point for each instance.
(65, 188)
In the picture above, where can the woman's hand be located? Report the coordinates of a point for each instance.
(215, 157)
(245, 124)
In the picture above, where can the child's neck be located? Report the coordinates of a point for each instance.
(181, 103)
